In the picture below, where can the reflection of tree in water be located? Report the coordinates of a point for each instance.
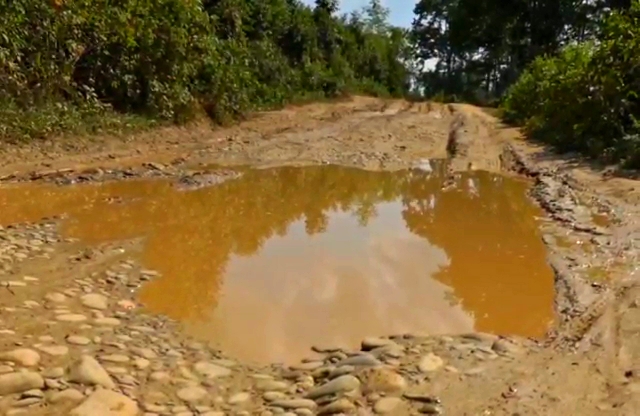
(488, 229)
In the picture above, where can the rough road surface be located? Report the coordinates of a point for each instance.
(75, 341)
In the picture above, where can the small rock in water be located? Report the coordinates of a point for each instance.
(430, 362)
(106, 403)
(341, 384)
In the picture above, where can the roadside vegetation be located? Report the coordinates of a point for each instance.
(568, 71)
(92, 65)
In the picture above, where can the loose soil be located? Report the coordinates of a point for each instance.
(75, 335)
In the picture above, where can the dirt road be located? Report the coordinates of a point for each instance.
(75, 337)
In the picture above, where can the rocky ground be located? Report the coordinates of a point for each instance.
(75, 341)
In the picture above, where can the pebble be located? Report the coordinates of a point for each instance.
(20, 382)
(114, 358)
(23, 356)
(55, 372)
(94, 301)
(106, 403)
(239, 398)
(191, 394)
(210, 370)
(107, 321)
(361, 360)
(88, 371)
(71, 317)
(272, 385)
(430, 363)
(147, 353)
(381, 380)
(69, 395)
(339, 406)
(506, 347)
(55, 350)
(386, 405)
(78, 340)
(341, 384)
(141, 363)
(295, 404)
(272, 396)
(371, 343)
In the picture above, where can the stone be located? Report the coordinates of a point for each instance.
(147, 353)
(430, 363)
(78, 340)
(381, 380)
(66, 396)
(272, 385)
(386, 405)
(22, 356)
(295, 404)
(56, 372)
(371, 343)
(272, 396)
(106, 403)
(339, 406)
(361, 360)
(506, 347)
(95, 301)
(114, 358)
(12, 383)
(141, 363)
(54, 350)
(71, 317)
(239, 398)
(191, 394)
(107, 321)
(210, 370)
(87, 370)
(159, 376)
(338, 385)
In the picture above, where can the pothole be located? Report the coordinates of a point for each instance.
(270, 262)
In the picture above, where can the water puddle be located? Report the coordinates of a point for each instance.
(274, 261)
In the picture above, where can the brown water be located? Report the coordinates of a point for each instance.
(268, 264)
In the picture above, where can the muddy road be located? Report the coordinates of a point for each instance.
(361, 257)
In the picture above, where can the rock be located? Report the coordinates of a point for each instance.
(22, 356)
(147, 353)
(210, 370)
(341, 384)
(381, 380)
(386, 405)
(361, 360)
(159, 376)
(506, 347)
(431, 409)
(114, 358)
(372, 343)
(106, 403)
(20, 382)
(239, 398)
(191, 394)
(141, 363)
(430, 362)
(78, 340)
(4, 369)
(55, 372)
(107, 321)
(56, 298)
(66, 396)
(71, 317)
(339, 406)
(423, 398)
(272, 396)
(308, 366)
(95, 301)
(88, 371)
(272, 385)
(55, 350)
(295, 404)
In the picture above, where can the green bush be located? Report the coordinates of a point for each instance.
(586, 98)
(68, 63)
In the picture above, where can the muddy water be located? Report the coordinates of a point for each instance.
(277, 260)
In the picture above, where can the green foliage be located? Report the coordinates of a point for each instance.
(64, 64)
(586, 98)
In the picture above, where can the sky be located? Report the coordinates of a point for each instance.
(401, 10)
